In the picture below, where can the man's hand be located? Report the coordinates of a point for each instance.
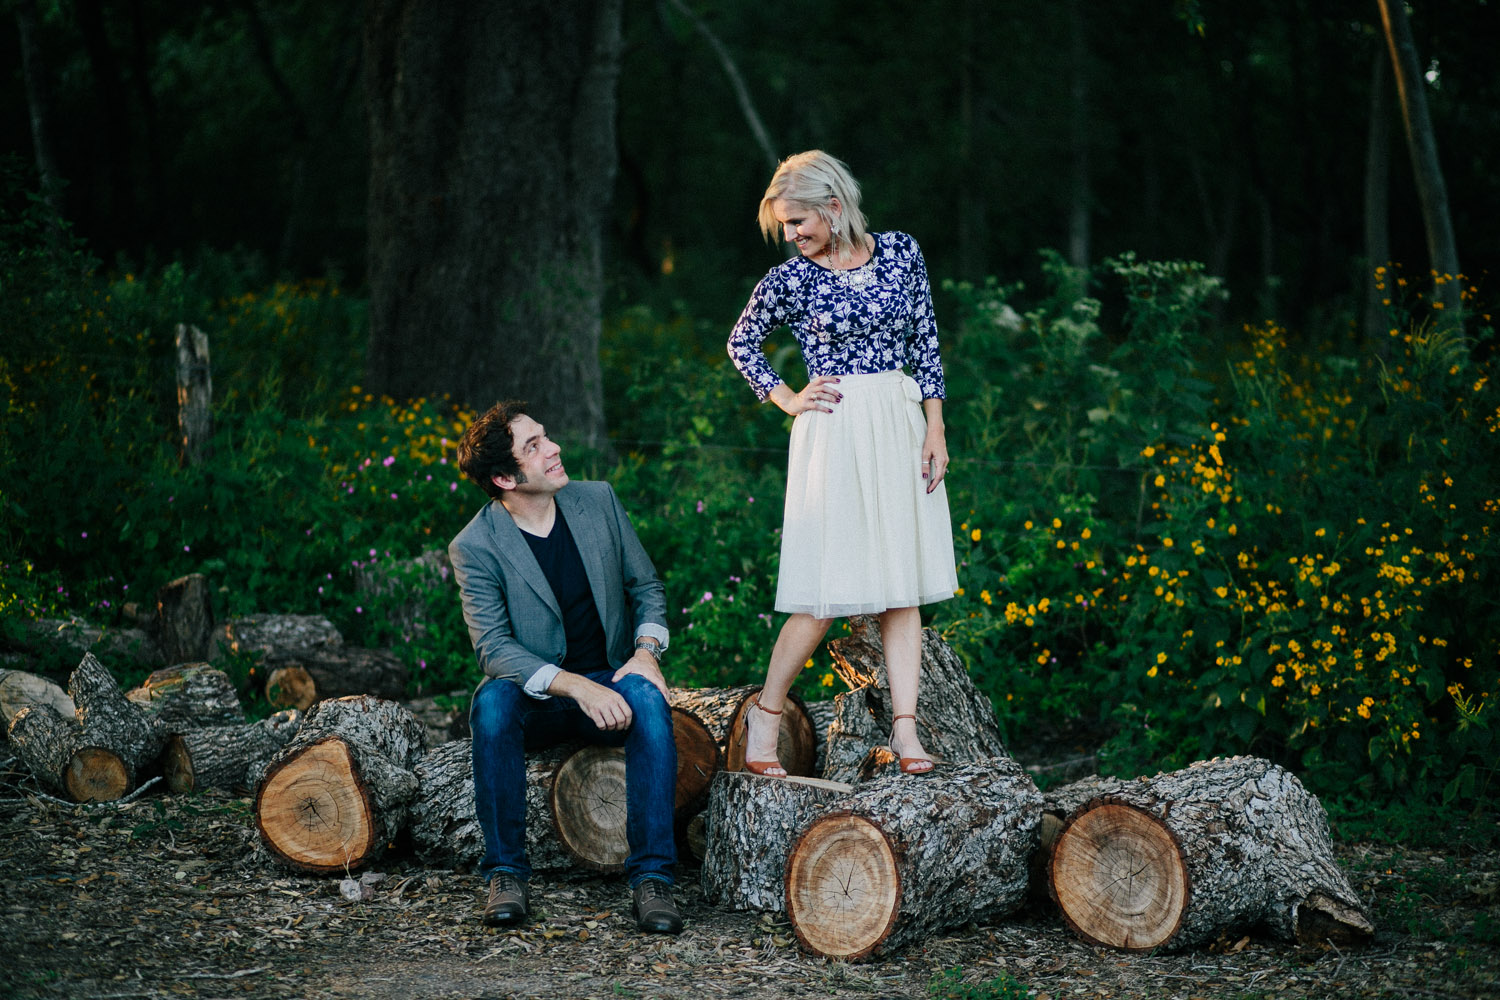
(643, 663)
(603, 706)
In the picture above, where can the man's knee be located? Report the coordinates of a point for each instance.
(496, 705)
(644, 698)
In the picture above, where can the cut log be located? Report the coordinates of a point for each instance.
(698, 760)
(721, 709)
(116, 738)
(185, 619)
(190, 695)
(291, 687)
(338, 672)
(444, 716)
(230, 757)
(445, 828)
(70, 638)
(902, 858)
(44, 740)
(19, 689)
(820, 715)
(1178, 859)
(274, 639)
(750, 824)
(342, 788)
(955, 721)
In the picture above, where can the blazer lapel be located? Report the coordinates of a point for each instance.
(517, 555)
(591, 548)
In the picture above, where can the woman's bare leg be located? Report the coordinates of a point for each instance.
(901, 635)
(798, 639)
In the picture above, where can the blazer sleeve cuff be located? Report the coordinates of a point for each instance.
(537, 684)
(651, 630)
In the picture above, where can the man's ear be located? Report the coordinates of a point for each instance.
(504, 482)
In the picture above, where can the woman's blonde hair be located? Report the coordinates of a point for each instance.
(813, 179)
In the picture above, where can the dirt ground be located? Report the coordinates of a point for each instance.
(174, 897)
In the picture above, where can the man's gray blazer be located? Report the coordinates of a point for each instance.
(512, 614)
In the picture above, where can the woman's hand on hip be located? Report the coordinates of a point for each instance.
(821, 394)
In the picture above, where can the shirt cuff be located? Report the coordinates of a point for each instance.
(651, 630)
(537, 684)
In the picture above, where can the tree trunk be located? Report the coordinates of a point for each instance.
(40, 108)
(195, 397)
(1377, 204)
(44, 739)
(317, 675)
(492, 164)
(1080, 209)
(189, 695)
(749, 826)
(185, 619)
(905, 857)
(1178, 859)
(333, 798)
(955, 720)
(276, 639)
(1421, 142)
(232, 757)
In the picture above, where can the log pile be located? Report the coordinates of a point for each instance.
(722, 712)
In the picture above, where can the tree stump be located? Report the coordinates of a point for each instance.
(1175, 860)
(230, 757)
(185, 619)
(749, 827)
(721, 709)
(955, 721)
(190, 695)
(116, 737)
(19, 689)
(333, 797)
(44, 741)
(903, 857)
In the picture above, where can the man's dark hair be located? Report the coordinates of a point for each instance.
(487, 448)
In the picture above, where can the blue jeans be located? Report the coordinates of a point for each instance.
(506, 722)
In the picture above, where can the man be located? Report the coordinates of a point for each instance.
(568, 621)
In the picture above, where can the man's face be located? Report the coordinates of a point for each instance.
(539, 457)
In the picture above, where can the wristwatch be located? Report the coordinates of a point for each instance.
(651, 646)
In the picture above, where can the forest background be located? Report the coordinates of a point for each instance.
(1223, 414)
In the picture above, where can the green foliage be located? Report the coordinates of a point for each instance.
(1276, 552)
(949, 985)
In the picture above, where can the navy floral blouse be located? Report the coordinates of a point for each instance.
(869, 319)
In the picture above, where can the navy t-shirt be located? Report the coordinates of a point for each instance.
(562, 565)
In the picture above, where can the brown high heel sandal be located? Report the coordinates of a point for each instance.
(909, 765)
(769, 768)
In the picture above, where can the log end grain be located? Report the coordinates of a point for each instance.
(1120, 878)
(698, 760)
(177, 766)
(96, 774)
(313, 810)
(843, 886)
(291, 686)
(588, 807)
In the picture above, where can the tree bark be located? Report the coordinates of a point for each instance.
(189, 695)
(749, 826)
(232, 757)
(492, 164)
(1421, 142)
(337, 793)
(1175, 860)
(44, 740)
(336, 673)
(19, 689)
(116, 738)
(40, 109)
(903, 858)
(185, 619)
(955, 720)
(195, 396)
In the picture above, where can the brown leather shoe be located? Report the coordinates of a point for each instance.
(655, 909)
(509, 901)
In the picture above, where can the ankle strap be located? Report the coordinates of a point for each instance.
(898, 718)
(763, 708)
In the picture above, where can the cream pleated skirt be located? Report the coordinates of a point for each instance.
(861, 534)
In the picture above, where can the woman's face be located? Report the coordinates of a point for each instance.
(801, 225)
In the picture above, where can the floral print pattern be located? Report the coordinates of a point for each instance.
(871, 319)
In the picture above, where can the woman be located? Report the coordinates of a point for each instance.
(866, 528)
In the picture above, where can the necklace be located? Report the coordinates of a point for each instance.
(855, 278)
